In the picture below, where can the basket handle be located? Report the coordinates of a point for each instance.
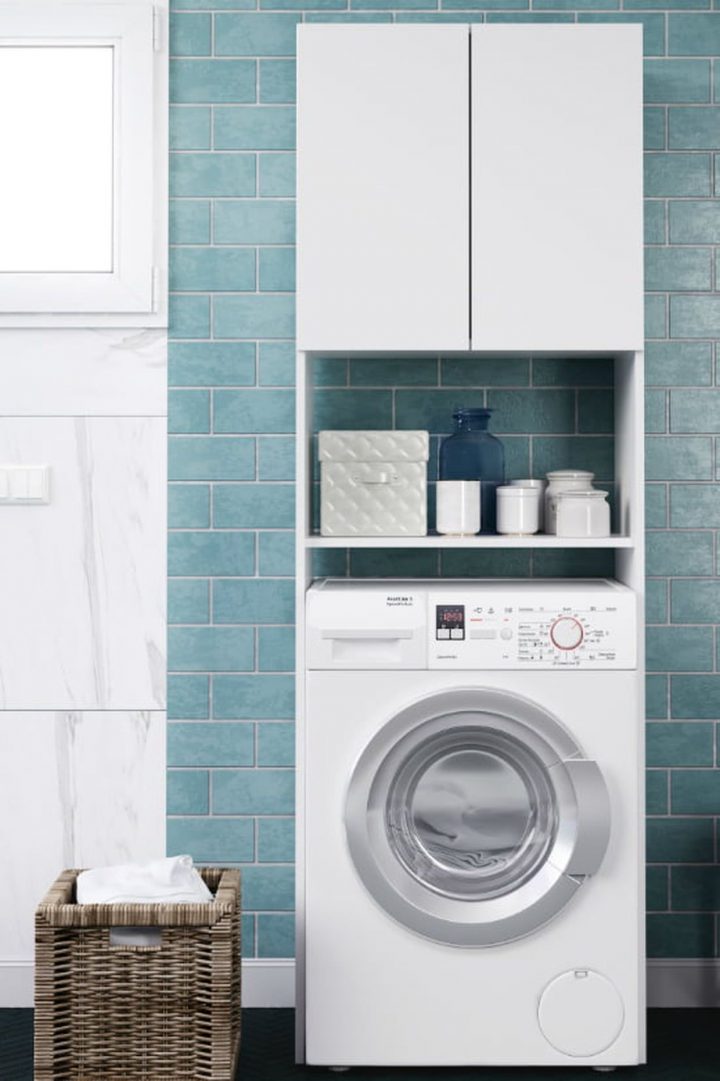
(135, 938)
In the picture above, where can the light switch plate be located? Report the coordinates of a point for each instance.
(24, 484)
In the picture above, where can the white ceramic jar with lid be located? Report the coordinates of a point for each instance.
(517, 510)
(563, 480)
(539, 487)
(583, 514)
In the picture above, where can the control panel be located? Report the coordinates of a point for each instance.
(496, 631)
(471, 625)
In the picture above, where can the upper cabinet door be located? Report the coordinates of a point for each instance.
(557, 188)
(383, 189)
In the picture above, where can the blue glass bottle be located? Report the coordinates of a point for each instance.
(472, 453)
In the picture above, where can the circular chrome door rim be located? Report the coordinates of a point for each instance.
(461, 922)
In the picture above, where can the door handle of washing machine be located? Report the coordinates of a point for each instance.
(383, 635)
(593, 819)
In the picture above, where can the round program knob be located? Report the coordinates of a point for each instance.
(566, 633)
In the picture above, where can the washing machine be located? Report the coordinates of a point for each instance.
(472, 849)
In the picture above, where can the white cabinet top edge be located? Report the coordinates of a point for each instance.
(629, 30)
(497, 29)
(370, 30)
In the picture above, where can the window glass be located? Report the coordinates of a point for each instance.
(56, 180)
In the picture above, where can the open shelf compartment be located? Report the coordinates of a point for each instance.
(588, 411)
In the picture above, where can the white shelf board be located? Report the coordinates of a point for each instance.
(494, 541)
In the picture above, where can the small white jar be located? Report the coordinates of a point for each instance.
(539, 487)
(583, 514)
(563, 480)
(457, 507)
(517, 510)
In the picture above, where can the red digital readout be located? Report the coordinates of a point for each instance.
(451, 615)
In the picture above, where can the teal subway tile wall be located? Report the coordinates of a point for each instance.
(232, 229)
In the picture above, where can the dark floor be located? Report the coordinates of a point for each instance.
(683, 1045)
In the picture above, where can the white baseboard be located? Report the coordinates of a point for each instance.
(682, 983)
(16, 984)
(270, 983)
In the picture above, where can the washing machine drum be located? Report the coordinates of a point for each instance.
(473, 817)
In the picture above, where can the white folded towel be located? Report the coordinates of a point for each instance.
(172, 880)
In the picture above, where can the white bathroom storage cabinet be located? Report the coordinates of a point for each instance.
(469, 188)
(468, 192)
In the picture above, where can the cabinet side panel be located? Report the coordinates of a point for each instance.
(383, 199)
(557, 187)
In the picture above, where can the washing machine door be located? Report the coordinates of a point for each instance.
(473, 816)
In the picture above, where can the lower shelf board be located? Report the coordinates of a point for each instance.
(537, 540)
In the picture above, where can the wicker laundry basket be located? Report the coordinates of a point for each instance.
(163, 1012)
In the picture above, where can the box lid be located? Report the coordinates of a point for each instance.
(400, 446)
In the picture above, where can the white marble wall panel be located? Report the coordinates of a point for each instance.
(76, 790)
(83, 372)
(82, 580)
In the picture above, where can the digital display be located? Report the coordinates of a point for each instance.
(450, 620)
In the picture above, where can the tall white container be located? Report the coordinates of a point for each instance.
(458, 507)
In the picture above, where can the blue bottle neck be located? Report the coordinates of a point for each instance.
(472, 420)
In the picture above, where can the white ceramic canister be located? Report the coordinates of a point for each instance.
(583, 514)
(517, 510)
(563, 480)
(539, 487)
(458, 507)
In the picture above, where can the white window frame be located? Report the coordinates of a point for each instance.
(134, 292)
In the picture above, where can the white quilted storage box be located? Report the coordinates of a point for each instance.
(373, 484)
